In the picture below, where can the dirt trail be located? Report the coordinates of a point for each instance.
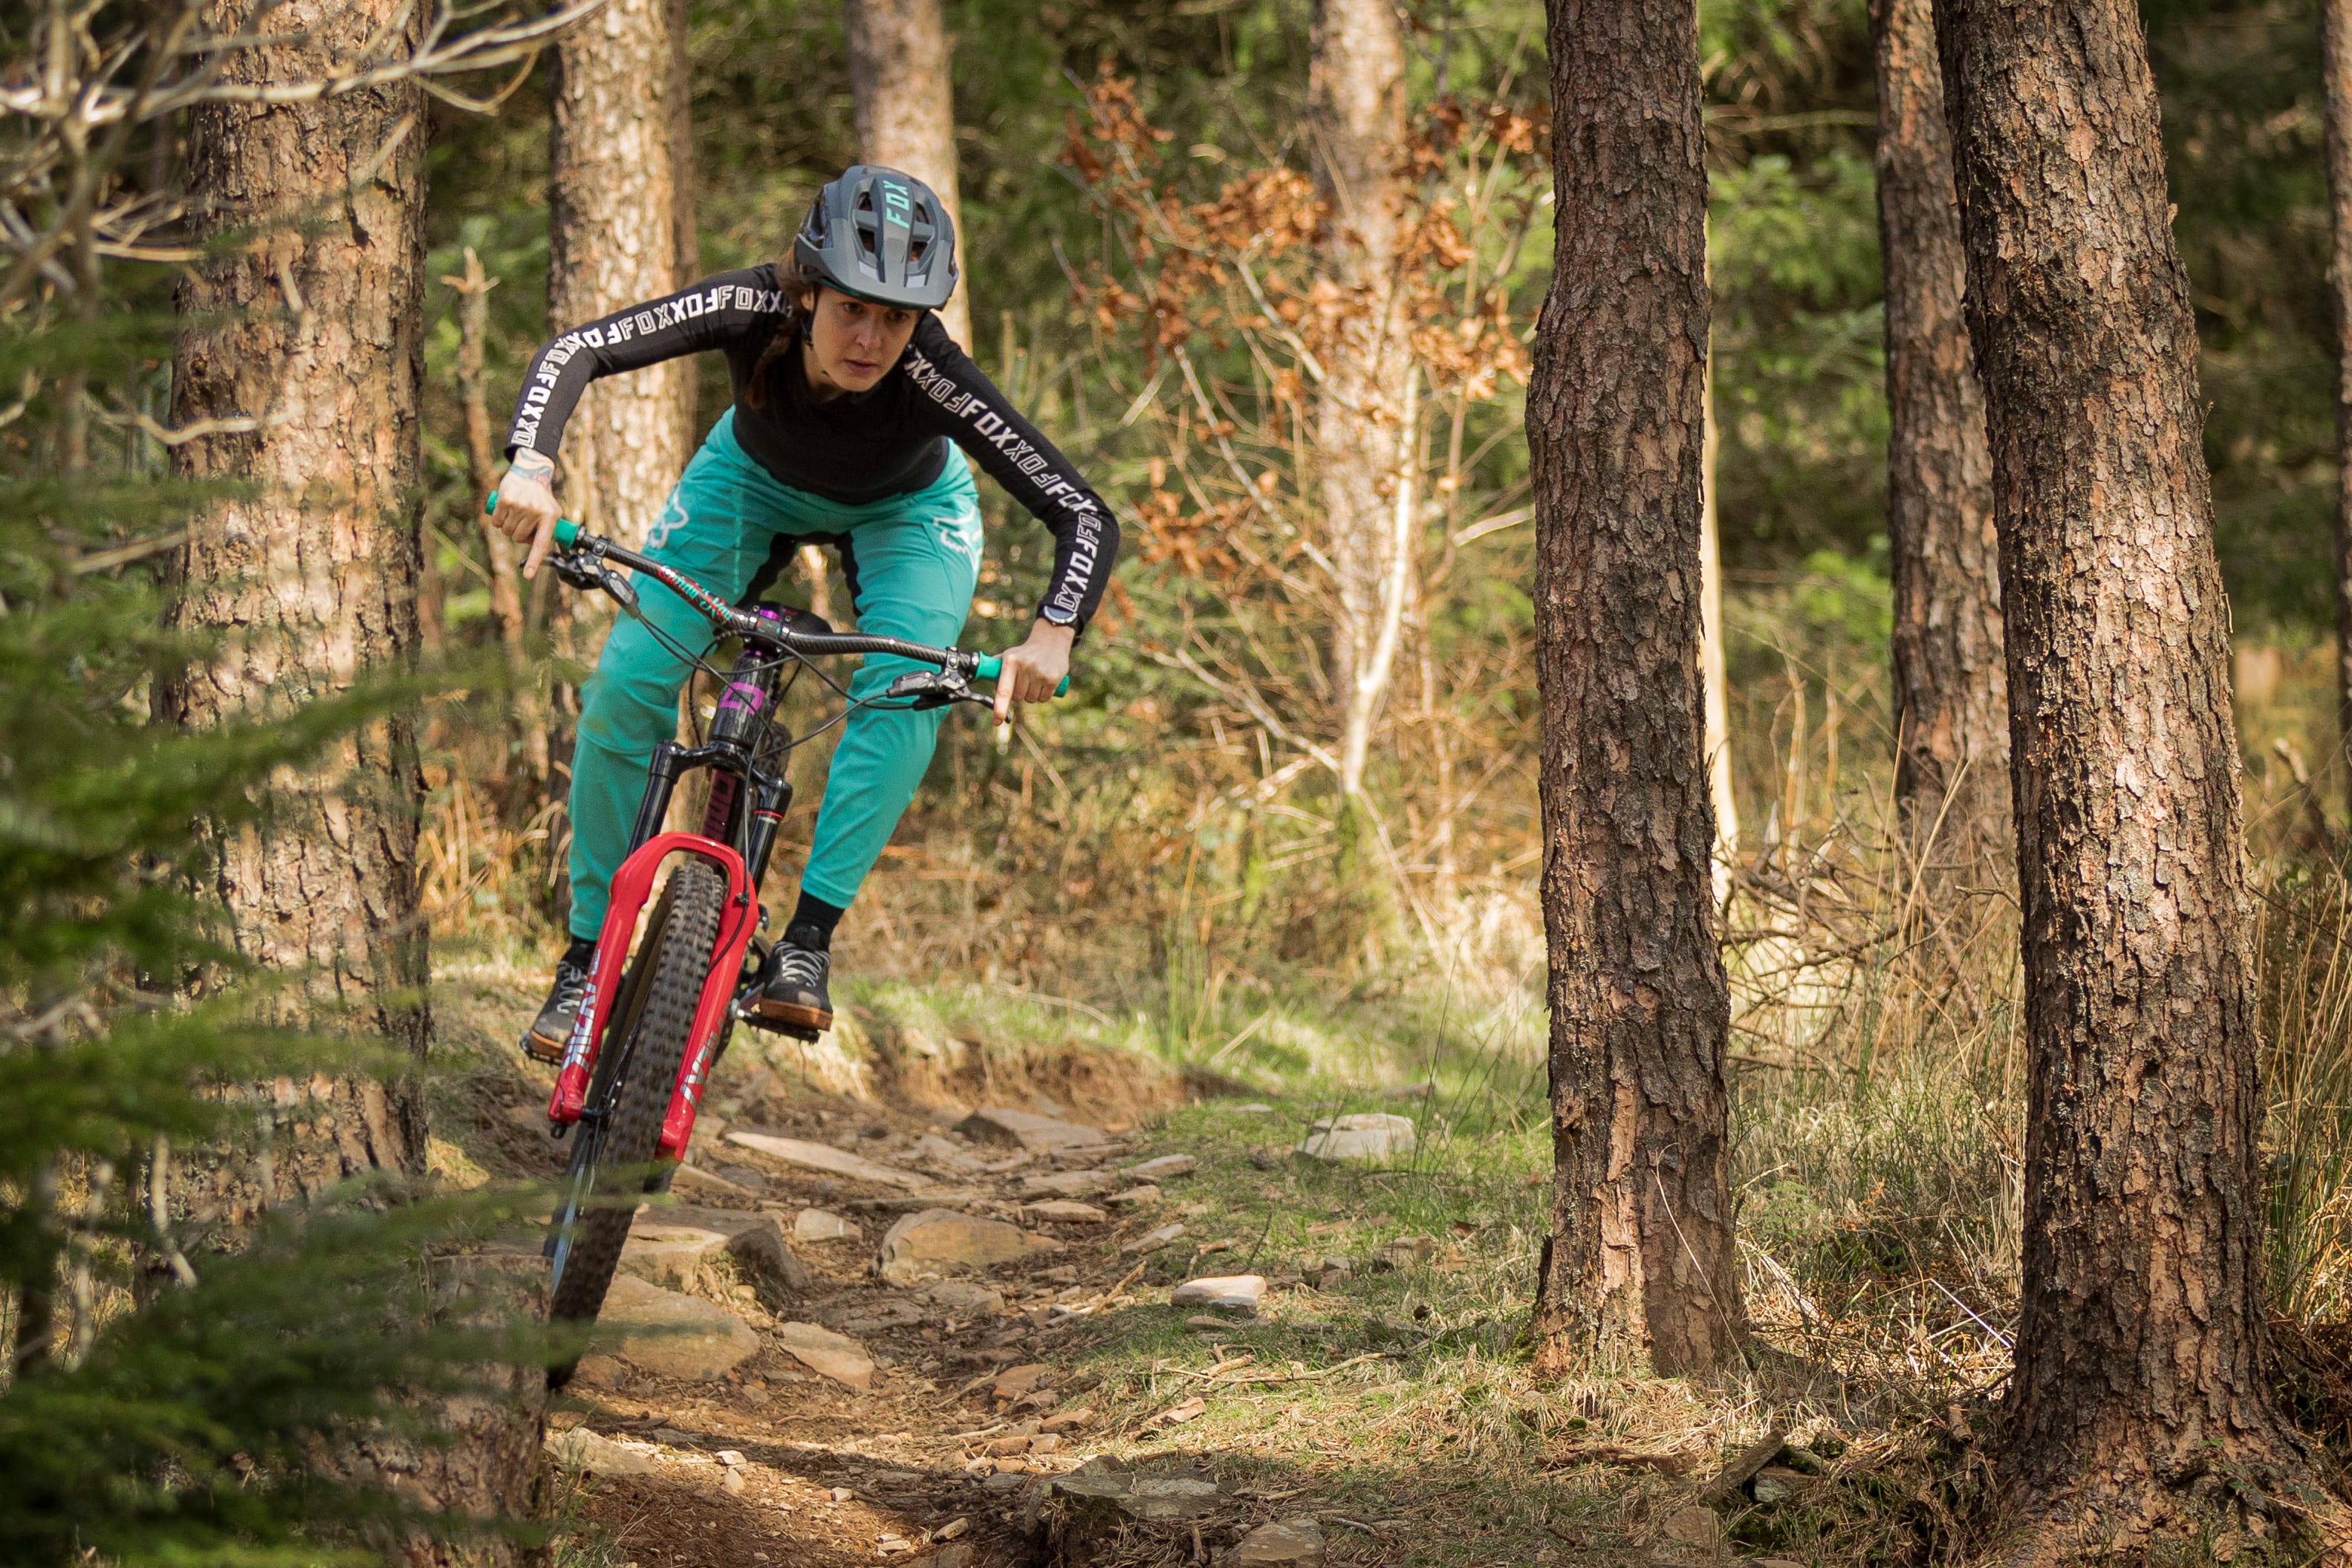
(818, 1472)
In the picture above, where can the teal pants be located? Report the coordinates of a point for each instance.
(912, 562)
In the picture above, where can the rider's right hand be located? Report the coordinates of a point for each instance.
(526, 510)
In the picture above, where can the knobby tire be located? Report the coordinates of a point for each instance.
(645, 1045)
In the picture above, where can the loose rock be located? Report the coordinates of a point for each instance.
(597, 1456)
(1038, 1134)
(1068, 1184)
(1063, 1211)
(674, 1335)
(959, 1296)
(1367, 1135)
(1153, 1240)
(1015, 1381)
(831, 1355)
(1165, 1168)
(1404, 1251)
(817, 1225)
(753, 1239)
(1096, 1501)
(1134, 1196)
(1238, 1293)
(1293, 1544)
(827, 1158)
(941, 1241)
(669, 1255)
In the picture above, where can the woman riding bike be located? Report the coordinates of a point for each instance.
(847, 393)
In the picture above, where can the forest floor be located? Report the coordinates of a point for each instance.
(1376, 1399)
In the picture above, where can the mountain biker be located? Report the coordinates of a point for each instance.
(847, 393)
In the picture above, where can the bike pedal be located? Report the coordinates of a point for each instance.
(777, 1025)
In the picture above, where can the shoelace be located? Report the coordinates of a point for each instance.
(570, 981)
(799, 967)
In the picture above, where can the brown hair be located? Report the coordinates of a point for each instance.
(794, 280)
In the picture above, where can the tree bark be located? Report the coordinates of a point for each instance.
(1640, 1259)
(2139, 1386)
(1363, 456)
(1951, 760)
(898, 53)
(2335, 79)
(313, 326)
(614, 238)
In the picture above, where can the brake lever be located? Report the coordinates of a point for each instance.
(932, 689)
(585, 572)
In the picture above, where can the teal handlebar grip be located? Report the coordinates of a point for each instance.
(990, 665)
(566, 531)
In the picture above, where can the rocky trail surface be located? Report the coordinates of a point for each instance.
(849, 1335)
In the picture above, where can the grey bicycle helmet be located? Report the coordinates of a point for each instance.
(881, 235)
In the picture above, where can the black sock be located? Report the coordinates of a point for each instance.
(582, 953)
(811, 926)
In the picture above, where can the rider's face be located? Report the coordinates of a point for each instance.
(853, 344)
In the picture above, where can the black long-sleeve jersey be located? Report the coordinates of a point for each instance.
(859, 447)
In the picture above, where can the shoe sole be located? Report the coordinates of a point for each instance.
(539, 1048)
(818, 1018)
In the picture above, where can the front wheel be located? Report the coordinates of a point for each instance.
(620, 1131)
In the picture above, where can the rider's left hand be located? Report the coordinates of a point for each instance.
(1033, 669)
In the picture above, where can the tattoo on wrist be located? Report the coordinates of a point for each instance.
(532, 464)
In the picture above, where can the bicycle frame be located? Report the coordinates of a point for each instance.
(728, 756)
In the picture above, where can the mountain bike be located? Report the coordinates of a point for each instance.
(654, 1019)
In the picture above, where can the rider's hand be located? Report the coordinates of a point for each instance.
(1033, 669)
(526, 509)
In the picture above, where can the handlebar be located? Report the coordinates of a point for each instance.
(570, 536)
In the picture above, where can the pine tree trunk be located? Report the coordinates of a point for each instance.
(315, 326)
(1355, 90)
(1951, 760)
(614, 214)
(2335, 78)
(1639, 1261)
(898, 54)
(2139, 1385)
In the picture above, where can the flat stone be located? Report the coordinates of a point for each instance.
(817, 1225)
(1134, 1196)
(603, 1372)
(1366, 1135)
(1404, 1251)
(1024, 1129)
(753, 1236)
(1089, 1153)
(669, 1255)
(711, 1183)
(1293, 1544)
(1256, 1108)
(1225, 1293)
(1154, 1240)
(1015, 1381)
(1165, 1168)
(827, 1158)
(941, 1241)
(1068, 1184)
(595, 1455)
(674, 1335)
(962, 1297)
(1095, 1498)
(1063, 1211)
(831, 1355)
